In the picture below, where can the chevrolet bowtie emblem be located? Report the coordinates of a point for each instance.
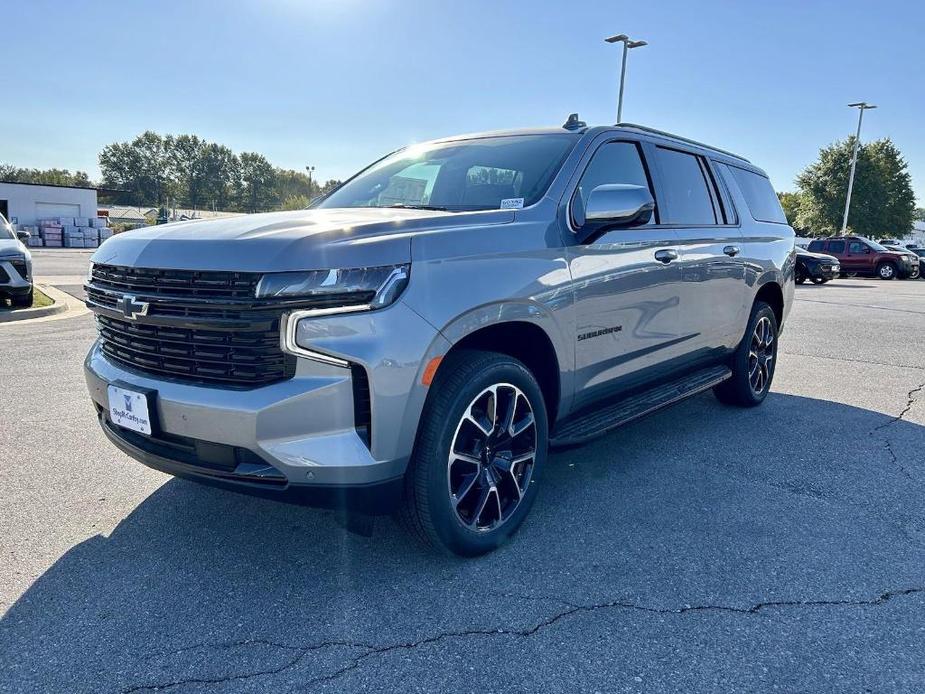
(131, 308)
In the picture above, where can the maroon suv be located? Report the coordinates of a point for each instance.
(864, 257)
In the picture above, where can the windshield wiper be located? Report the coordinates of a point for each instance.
(405, 206)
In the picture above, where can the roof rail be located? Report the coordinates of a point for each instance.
(663, 133)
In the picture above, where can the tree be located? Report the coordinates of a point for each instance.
(296, 202)
(791, 204)
(185, 166)
(257, 183)
(919, 214)
(55, 177)
(140, 167)
(330, 185)
(882, 202)
(290, 183)
(220, 176)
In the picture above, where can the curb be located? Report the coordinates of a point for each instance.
(64, 306)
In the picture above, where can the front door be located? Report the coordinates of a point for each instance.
(626, 299)
(857, 257)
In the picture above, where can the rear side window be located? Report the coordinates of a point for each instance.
(816, 246)
(686, 187)
(836, 247)
(759, 195)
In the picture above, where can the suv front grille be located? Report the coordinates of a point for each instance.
(207, 356)
(202, 327)
(176, 283)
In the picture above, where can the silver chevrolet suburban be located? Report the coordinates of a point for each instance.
(420, 337)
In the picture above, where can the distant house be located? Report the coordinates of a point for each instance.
(131, 217)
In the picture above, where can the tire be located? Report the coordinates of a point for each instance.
(886, 271)
(744, 388)
(22, 301)
(915, 274)
(473, 501)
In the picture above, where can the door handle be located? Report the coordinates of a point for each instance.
(666, 255)
(731, 251)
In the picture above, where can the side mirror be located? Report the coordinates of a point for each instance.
(23, 236)
(614, 204)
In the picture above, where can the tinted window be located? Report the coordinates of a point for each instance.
(857, 247)
(836, 247)
(759, 195)
(614, 162)
(816, 246)
(476, 174)
(686, 187)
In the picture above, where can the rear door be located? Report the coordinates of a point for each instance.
(626, 300)
(837, 248)
(712, 289)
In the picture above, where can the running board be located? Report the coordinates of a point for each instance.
(600, 420)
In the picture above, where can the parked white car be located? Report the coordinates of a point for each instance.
(15, 266)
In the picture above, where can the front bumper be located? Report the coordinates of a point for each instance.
(302, 430)
(12, 282)
(825, 272)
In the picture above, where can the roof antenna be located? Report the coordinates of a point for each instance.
(573, 123)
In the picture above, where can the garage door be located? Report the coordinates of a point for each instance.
(45, 210)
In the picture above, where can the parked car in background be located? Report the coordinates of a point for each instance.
(15, 266)
(862, 256)
(419, 337)
(910, 255)
(920, 252)
(815, 267)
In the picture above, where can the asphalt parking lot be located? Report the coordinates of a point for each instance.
(703, 548)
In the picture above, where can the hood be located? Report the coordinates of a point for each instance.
(816, 256)
(285, 241)
(9, 247)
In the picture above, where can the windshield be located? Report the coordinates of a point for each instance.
(487, 173)
(876, 246)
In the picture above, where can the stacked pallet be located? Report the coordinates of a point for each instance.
(71, 232)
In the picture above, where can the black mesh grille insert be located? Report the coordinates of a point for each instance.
(229, 357)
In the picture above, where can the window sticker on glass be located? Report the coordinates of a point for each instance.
(512, 203)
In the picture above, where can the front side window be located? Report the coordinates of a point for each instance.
(857, 247)
(686, 187)
(614, 162)
(486, 173)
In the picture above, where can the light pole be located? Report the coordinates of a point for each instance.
(861, 106)
(311, 170)
(627, 44)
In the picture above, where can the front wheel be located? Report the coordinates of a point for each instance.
(24, 301)
(886, 271)
(481, 447)
(753, 362)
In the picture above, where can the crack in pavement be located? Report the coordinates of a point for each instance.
(574, 610)
(850, 360)
(911, 397)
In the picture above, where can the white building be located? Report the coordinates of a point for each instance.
(26, 203)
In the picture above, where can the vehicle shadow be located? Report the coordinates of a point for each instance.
(701, 503)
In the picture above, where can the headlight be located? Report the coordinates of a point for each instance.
(90, 273)
(373, 286)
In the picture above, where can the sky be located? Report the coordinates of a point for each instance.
(337, 83)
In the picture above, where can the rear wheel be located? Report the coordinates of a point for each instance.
(886, 271)
(482, 444)
(753, 362)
